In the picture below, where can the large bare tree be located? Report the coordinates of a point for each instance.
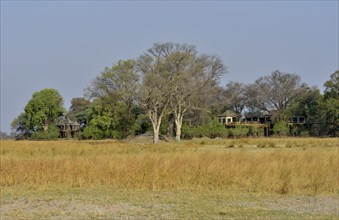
(155, 89)
(176, 79)
(195, 79)
(275, 93)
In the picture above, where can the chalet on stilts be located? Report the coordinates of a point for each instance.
(67, 127)
(259, 120)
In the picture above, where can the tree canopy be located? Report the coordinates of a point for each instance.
(115, 94)
(40, 115)
(175, 79)
(274, 93)
(43, 109)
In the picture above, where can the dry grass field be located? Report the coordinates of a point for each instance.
(199, 178)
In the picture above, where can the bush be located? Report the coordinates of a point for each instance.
(298, 130)
(51, 134)
(239, 131)
(92, 132)
(212, 129)
(78, 135)
(280, 128)
(186, 131)
(304, 133)
(256, 131)
(215, 129)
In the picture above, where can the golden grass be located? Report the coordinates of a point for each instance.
(290, 166)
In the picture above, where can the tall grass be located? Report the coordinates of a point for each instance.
(169, 166)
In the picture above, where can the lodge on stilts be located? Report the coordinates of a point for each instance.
(67, 127)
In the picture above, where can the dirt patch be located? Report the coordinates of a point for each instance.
(55, 209)
(77, 209)
(303, 204)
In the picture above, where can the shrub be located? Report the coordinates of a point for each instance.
(92, 132)
(51, 134)
(215, 129)
(299, 130)
(212, 129)
(186, 131)
(256, 131)
(280, 128)
(78, 135)
(239, 131)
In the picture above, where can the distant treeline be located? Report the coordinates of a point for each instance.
(173, 90)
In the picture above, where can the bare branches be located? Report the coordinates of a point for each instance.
(119, 82)
(275, 92)
(175, 78)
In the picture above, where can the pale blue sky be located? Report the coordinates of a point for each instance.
(64, 45)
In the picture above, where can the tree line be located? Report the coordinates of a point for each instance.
(172, 88)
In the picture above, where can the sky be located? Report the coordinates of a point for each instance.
(65, 44)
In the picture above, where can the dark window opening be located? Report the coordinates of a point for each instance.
(301, 120)
(295, 120)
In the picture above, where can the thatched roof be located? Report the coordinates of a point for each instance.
(229, 113)
(67, 121)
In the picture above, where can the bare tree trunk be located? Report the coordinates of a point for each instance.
(156, 130)
(178, 125)
(46, 124)
(155, 136)
(178, 132)
(156, 122)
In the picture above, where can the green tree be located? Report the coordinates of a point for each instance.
(321, 111)
(115, 90)
(42, 110)
(80, 109)
(101, 121)
(18, 126)
(331, 103)
(332, 86)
